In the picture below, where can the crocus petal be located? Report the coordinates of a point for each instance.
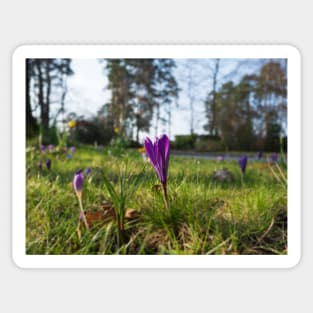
(163, 145)
(150, 151)
(78, 181)
(166, 143)
(243, 163)
(159, 162)
(48, 164)
(158, 154)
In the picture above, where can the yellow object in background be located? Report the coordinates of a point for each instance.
(71, 124)
(142, 150)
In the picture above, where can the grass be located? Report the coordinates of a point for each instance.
(205, 216)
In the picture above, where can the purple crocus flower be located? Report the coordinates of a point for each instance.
(88, 171)
(220, 158)
(78, 182)
(274, 157)
(243, 163)
(48, 164)
(50, 147)
(159, 154)
(73, 149)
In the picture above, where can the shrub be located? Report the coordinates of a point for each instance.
(209, 145)
(184, 142)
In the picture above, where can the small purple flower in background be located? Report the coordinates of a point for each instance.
(259, 155)
(42, 148)
(73, 149)
(243, 163)
(220, 158)
(274, 157)
(48, 164)
(50, 148)
(78, 182)
(88, 171)
(159, 154)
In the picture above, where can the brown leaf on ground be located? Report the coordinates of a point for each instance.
(107, 213)
(156, 188)
(131, 214)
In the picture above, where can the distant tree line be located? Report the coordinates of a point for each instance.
(247, 114)
(252, 113)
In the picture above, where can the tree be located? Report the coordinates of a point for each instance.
(119, 83)
(45, 78)
(144, 93)
(210, 103)
(219, 72)
(166, 90)
(234, 115)
(139, 87)
(251, 113)
(271, 97)
(31, 123)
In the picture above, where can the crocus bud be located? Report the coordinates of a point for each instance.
(274, 157)
(48, 164)
(88, 171)
(78, 182)
(159, 154)
(243, 163)
(220, 158)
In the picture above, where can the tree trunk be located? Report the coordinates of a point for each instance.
(157, 119)
(169, 120)
(31, 125)
(137, 135)
(43, 101)
(213, 128)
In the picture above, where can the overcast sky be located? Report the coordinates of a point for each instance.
(87, 89)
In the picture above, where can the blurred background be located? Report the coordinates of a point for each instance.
(204, 105)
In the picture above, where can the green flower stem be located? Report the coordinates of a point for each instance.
(82, 211)
(165, 196)
(120, 228)
(242, 180)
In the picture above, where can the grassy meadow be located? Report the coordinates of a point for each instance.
(245, 216)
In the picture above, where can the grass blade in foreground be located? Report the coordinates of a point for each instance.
(128, 185)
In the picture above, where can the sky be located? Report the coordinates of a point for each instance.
(87, 90)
